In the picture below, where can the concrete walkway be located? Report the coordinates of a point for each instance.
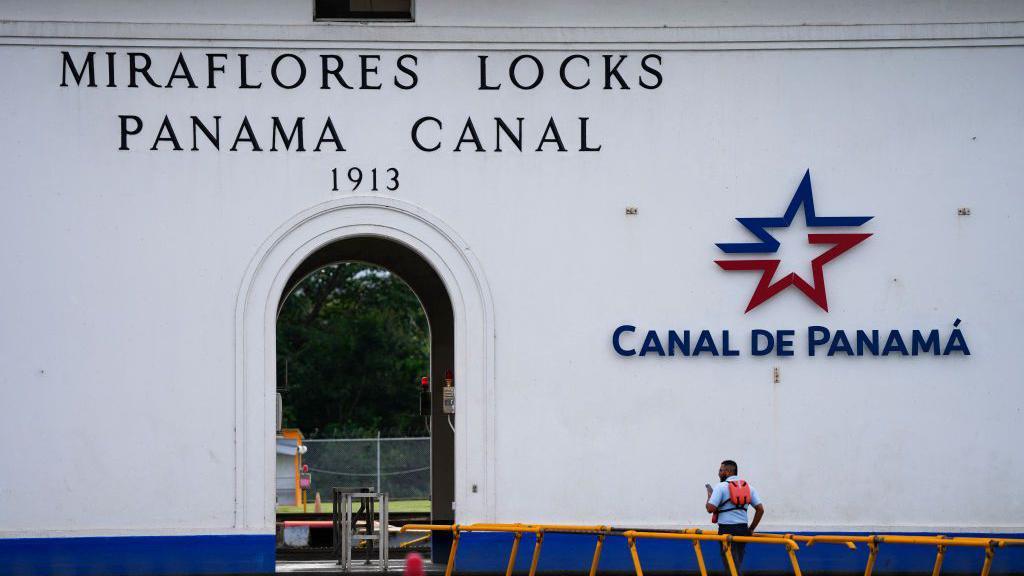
(303, 567)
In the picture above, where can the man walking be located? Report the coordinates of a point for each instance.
(728, 503)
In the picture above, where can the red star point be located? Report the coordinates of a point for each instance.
(816, 291)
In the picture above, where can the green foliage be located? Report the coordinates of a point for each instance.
(352, 343)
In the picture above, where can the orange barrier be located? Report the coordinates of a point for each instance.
(696, 536)
(940, 542)
(601, 532)
(414, 541)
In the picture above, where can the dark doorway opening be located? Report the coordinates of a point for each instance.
(405, 263)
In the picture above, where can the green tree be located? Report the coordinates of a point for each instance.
(352, 343)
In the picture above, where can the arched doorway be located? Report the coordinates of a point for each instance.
(346, 224)
(402, 261)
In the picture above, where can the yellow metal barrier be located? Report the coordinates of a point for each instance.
(940, 542)
(696, 536)
(597, 554)
(414, 541)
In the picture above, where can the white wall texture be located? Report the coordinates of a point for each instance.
(123, 269)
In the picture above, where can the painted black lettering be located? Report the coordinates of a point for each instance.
(181, 72)
(368, 71)
(654, 72)
(331, 65)
(134, 68)
(301, 67)
(513, 72)
(611, 71)
(410, 72)
(565, 64)
(213, 137)
(287, 139)
(416, 134)
(77, 73)
(126, 131)
(516, 138)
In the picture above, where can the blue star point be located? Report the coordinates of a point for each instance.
(803, 197)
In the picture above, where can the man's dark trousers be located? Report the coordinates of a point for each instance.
(738, 548)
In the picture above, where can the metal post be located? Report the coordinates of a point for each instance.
(990, 553)
(597, 555)
(369, 530)
(512, 555)
(631, 542)
(336, 518)
(536, 553)
(939, 554)
(872, 555)
(379, 487)
(451, 553)
(346, 532)
(382, 532)
(700, 558)
(730, 563)
(792, 560)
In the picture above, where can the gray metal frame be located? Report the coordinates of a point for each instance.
(344, 527)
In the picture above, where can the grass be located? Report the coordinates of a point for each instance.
(399, 506)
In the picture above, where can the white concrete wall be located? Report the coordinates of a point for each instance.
(118, 346)
(569, 13)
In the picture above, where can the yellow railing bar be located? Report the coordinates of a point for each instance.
(512, 555)
(597, 555)
(568, 528)
(728, 557)
(696, 536)
(726, 540)
(872, 556)
(939, 554)
(513, 528)
(895, 539)
(811, 540)
(793, 561)
(700, 558)
(414, 541)
(940, 542)
(712, 537)
(428, 528)
(631, 542)
(989, 554)
(536, 552)
(451, 554)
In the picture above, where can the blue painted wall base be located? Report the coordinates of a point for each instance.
(138, 555)
(481, 552)
(478, 553)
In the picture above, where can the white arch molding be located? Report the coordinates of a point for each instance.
(255, 345)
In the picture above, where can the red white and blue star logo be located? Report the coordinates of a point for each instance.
(768, 286)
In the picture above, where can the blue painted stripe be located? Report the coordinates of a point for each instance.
(138, 555)
(481, 552)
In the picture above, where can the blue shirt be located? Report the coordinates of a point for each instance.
(720, 499)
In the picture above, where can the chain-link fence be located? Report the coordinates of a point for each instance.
(398, 466)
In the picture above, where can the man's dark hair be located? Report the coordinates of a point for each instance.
(731, 465)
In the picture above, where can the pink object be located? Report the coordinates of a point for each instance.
(413, 565)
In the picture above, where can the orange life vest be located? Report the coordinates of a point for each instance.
(739, 497)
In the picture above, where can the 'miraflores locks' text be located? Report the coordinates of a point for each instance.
(289, 72)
